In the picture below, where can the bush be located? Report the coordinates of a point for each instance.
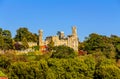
(5, 62)
(2, 74)
(106, 69)
(63, 52)
(108, 72)
(53, 69)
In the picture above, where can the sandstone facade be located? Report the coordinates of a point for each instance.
(60, 39)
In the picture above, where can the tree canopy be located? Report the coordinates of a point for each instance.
(25, 33)
(102, 60)
(63, 52)
(5, 39)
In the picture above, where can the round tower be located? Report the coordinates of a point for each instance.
(74, 31)
(74, 38)
(40, 37)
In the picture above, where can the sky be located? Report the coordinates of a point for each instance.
(89, 16)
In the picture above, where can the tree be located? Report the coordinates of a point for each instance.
(98, 43)
(1, 42)
(25, 33)
(1, 39)
(63, 52)
(2, 74)
(21, 33)
(50, 45)
(116, 42)
(25, 43)
(5, 62)
(81, 46)
(106, 69)
(5, 39)
(94, 42)
(6, 33)
(0, 31)
(118, 51)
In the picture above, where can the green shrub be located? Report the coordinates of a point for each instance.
(63, 52)
(2, 74)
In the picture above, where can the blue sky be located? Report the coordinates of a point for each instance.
(90, 16)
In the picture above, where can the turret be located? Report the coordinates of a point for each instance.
(75, 38)
(60, 34)
(40, 37)
(74, 31)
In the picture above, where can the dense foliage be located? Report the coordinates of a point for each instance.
(83, 67)
(6, 41)
(2, 74)
(109, 46)
(102, 60)
(63, 52)
(25, 33)
(54, 69)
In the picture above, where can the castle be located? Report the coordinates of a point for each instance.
(60, 39)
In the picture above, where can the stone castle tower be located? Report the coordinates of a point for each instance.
(40, 37)
(74, 32)
(60, 39)
(74, 39)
